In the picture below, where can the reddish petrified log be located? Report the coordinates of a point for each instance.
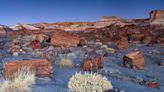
(94, 63)
(64, 39)
(153, 84)
(36, 44)
(42, 67)
(123, 43)
(134, 60)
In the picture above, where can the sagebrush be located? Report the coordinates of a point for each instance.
(89, 82)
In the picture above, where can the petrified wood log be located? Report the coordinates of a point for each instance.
(36, 44)
(123, 43)
(42, 67)
(64, 39)
(134, 60)
(94, 63)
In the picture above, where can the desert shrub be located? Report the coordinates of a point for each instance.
(22, 81)
(65, 62)
(89, 82)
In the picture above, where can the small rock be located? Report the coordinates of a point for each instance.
(104, 47)
(15, 54)
(98, 44)
(122, 90)
(116, 90)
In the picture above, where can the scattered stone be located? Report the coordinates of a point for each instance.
(15, 54)
(134, 60)
(42, 67)
(107, 70)
(123, 43)
(104, 47)
(65, 40)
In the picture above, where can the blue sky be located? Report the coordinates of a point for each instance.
(33, 11)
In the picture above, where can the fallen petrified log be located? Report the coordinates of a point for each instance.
(42, 67)
(94, 63)
(64, 39)
(134, 60)
(123, 43)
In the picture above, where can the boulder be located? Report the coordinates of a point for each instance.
(123, 43)
(42, 67)
(94, 63)
(65, 40)
(134, 60)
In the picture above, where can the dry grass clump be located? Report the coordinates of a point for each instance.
(65, 63)
(22, 81)
(89, 82)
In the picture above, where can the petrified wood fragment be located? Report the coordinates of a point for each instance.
(94, 63)
(134, 60)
